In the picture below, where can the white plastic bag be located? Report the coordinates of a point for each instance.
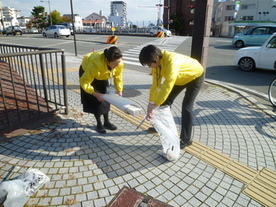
(164, 124)
(18, 191)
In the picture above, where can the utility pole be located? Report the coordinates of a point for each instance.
(49, 3)
(202, 29)
(73, 23)
(2, 17)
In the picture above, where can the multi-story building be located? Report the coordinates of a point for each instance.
(181, 11)
(232, 17)
(8, 17)
(118, 14)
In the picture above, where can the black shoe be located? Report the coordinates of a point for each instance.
(110, 126)
(152, 130)
(185, 143)
(101, 129)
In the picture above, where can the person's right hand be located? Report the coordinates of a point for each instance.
(150, 111)
(98, 96)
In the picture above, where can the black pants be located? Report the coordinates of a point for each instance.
(192, 90)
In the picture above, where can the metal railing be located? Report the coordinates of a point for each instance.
(32, 83)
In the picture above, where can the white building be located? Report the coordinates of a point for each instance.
(95, 21)
(234, 16)
(118, 14)
(77, 21)
(9, 16)
(22, 21)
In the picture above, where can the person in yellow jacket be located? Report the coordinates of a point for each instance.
(172, 73)
(96, 73)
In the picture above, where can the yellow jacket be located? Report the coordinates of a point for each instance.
(95, 67)
(176, 69)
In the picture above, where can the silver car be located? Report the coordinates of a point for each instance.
(56, 31)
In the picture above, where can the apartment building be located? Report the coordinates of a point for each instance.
(118, 14)
(8, 17)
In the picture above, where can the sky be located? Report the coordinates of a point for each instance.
(141, 12)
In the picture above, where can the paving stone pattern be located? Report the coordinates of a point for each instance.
(88, 169)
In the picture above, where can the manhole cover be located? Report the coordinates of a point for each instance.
(131, 198)
(131, 93)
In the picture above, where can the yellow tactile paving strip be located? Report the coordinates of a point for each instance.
(260, 185)
(231, 167)
(263, 188)
(136, 120)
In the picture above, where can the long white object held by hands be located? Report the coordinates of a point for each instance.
(122, 103)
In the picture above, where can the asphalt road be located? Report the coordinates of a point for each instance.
(220, 65)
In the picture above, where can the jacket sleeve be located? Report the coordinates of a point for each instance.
(169, 74)
(118, 77)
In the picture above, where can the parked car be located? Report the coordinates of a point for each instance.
(33, 30)
(263, 57)
(67, 25)
(254, 36)
(154, 30)
(13, 30)
(56, 31)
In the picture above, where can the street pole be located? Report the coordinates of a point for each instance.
(51, 23)
(2, 18)
(73, 23)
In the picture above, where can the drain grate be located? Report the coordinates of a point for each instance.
(131, 198)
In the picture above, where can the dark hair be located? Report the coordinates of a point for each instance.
(148, 54)
(112, 53)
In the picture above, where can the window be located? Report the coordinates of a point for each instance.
(272, 43)
(246, 17)
(247, 6)
(259, 31)
(228, 18)
(272, 30)
(230, 7)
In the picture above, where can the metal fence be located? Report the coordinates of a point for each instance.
(32, 83)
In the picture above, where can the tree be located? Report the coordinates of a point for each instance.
(66, 19)
(177, 23)
(40, 17)
(56, 18)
